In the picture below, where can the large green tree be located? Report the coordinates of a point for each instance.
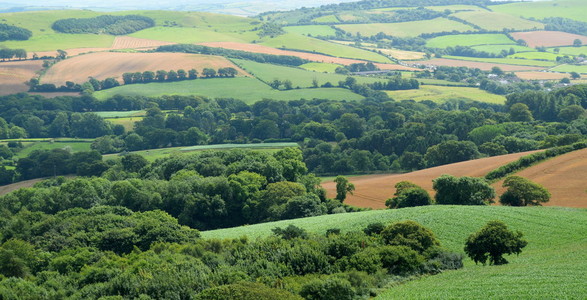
(522, 192)
(492, 242)
(462, 190)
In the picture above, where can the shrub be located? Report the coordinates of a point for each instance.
(411, 234)
(329, 289)
(492, 242)
(400, 260)
(246, 291)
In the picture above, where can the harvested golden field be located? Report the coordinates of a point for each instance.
(309, 56)
(564, 176)
(541, 75)
(548, 38)
(13, 75)
(372, 190)
(102, 65)
(402, 54)
(474, 64)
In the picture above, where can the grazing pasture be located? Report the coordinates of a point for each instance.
(103, 65)
(406, 29)
(536, 55)
(320, 67)
(572, 50)
(497, 49)
(572, 9)
(469, 40)
(548, 38)
(571, 68)
(497, 21)
(462, 62)
(507, 61)
(193, 35)
(50, 42)
(327, 19)
(14, 74)
(441, 94)
(314, 30)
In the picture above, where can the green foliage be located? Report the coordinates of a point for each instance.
(520, 112)
(343, 186)
(290, 232)
(330, 289)
(451, 152)
(522, 192)
(115, 25)
(245, 291)
(408, 194)
(10, 32)
(492, 242)
(401, 260)
(462, 190)
(410, 234)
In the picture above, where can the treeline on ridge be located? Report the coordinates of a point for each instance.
(10, 32)
(105, 24)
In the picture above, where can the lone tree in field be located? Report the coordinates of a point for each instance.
(408, 194)
(343, 186)
(523, 192)
(492, 242)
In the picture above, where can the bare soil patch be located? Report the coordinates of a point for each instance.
(548, 38)
(14, 74)
(5, 189)
(481, 65)
(372, 190)
(541, 75)
(102, 65)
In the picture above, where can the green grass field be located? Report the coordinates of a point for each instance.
(497, 21)
(496, 49)
(120, 114)
(455, 7)
(441, 94)
(320, 67)
(536, 55)
(572, 9)
(128, 122)
(406, 29)
(300, 42)
(571, 50)
(193, 35)
(570, 68)
(52, 42)
(327, 19)
(195, 19)
(247, 89)
(507, 61)
(552, 266)
(30, 145)
(469, 40)
(299, 77)
(314, 30)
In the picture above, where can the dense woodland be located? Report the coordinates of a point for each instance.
(10, 32)
(105, 24)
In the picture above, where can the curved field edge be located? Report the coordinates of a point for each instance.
(551, 266)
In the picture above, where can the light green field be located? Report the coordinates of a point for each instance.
(300, 42)
(320, 67)
(496, 49)
(45, 144)
(431, 81)
(507, 61)
(120, 114)
(299, 77)
(572, 9)
(39, 22)
(128, 122)
(193, 35)
(536, 55)
(406, 29)
(455, 7)
(327, 19)
(52, 42)
(571, 50)
(313, 30)
(497, 21)
(441, 94)
(469, 40)
(552, 266)
(247, 89)
(570, 68)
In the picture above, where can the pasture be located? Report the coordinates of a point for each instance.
(469, 40)
(103, 65)
(30, 145)
(498, 21)
(572, 9)
(121, 114)
(571, 68)
(506, 61)
(247, 89)
(536, 55)
(51, 42)
(486, 66)
(13, 75)
(311, 30)
(441, 94)
(497, 49)
(193, 35)
(327, 19)
(320, 67)
(576, 51)
(548, 38)
(406, 29)
(402, 54)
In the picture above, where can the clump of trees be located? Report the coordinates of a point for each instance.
(10, 32)
(6, 53)
(173, 75)
(462, 190)
(105, 24)
(523, 192)
(492, 242)
(408, 194)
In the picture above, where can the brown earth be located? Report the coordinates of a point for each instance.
(565, 177)
(481, 65)
(309, 56)
(14, 74)
(5, 189)
(120, 42)
(541, 75)
(548, 38)
(102, 65)
(372, 190)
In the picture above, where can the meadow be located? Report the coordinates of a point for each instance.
(327, 19)
(497, 49)
(571, 68)
(536, 55)
(572, 9)
(320, 67)
(469, 40)
(30, 145)
(314, 30)
(51, 42)
(497, 21)
(249, 90)
(193, 35)
(406, 29)
(506, 61)
(572, 50)
(441, 94)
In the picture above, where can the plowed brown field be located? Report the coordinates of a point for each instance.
(541, 75)
(372, 190)
(481, 65)
(14, 74)
(102, 65)
(309, 56)
(548, 38)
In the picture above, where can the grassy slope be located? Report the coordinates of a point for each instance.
(551, 266)
(404, 29)
(443, 93)
(572, 9)
(192, 35)
(469, 40)
(536, 55)
(498, 48)
(571, 68)
(247, 89)
(507, 61)
(497, 21)
(320, 67)
(571, 50)
(323, 30)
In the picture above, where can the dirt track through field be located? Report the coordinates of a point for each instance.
(372, 190)
(14, 74)
(481, 65)
(548, 38)
(102, 65)
(309, 56)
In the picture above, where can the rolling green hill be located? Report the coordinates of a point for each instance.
(551, 266)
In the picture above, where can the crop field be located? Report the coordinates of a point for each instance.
(247, 89)
(572, 9)
(299, 77)
(571, 68)
(497, 49)
(507, 61)
(402, 54)
(314, 30)
(548, 38)
(441, 94)
(193, 35)
(536, 55)
(576, 51)
(463, 62)
(320, 67)
(541, 75)
(300, 42)
(406, 29)
(103, 65)
(372, 190)
(469, 40)
(13, 75)
(497, 21)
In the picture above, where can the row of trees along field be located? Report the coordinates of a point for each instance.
(108, 24)
(10, 32)
(6, 53)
